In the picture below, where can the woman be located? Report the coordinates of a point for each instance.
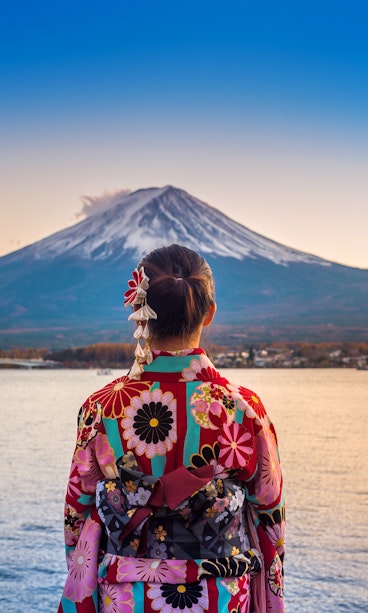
(174, 501)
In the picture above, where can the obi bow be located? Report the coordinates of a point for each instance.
(125, 504)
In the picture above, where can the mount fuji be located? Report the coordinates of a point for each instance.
(67, 288)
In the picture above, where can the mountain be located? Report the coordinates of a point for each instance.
(67, 288)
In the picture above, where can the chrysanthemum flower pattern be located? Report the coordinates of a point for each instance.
(269, 482)
(150, 423)
(184, 598)
(82, 579)
(116, 598)
(115, 396)
(150, 569)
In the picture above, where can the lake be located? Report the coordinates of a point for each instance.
(321, 417)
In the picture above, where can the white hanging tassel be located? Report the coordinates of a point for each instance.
(137, 295)
(139, 332)
(141, 293)
(149, 313)
(148, 354)
(137, 315)
(136, 370)
(140, 352)
(143, 314)
(145, 332)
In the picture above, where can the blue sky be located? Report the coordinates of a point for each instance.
(259, 109)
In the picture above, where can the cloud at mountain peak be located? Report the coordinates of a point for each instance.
(97, 204)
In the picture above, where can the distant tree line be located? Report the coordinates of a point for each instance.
(101, 355)
(120, 355)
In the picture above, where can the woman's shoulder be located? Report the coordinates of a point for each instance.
(247, 399)
(116, 395)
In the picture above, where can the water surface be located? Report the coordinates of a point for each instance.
(321, 417)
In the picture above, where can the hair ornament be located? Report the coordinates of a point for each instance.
(137, 295)
(143, 314)
(138, 287)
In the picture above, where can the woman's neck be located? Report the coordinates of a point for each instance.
(174, 343)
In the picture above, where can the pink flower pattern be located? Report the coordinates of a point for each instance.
(276, 534)
(150, 569)
(269, 481)
(236, 446)
(74, 486)
(200, 369)
(116, 598)
(89, 469)
(82, 575)
(105, 456)
(209, 409)
(244, 594)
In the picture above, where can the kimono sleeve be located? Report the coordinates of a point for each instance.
(266, 510)
(84, 473)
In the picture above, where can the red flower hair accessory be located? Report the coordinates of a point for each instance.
(137, 294)
(138, 287)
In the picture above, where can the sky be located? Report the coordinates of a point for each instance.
(259, 109)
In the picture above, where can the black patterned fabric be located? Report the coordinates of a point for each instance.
(202, 518)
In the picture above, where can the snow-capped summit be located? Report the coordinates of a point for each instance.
(150, 218)
(68, 287)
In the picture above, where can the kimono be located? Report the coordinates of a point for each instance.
(174, 501)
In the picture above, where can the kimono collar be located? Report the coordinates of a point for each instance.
(178, 352)
(181, 365)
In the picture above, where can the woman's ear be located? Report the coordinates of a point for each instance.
(208, 318)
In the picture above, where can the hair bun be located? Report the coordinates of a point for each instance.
(180, 307)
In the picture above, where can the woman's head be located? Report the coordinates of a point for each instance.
(181, 291)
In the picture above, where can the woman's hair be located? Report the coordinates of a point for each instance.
(181, 289)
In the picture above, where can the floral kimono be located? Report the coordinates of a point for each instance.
(174, 501)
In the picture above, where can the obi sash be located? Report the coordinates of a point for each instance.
(186, 514)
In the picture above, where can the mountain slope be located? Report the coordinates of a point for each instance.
(149, 218)
(67, 288)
